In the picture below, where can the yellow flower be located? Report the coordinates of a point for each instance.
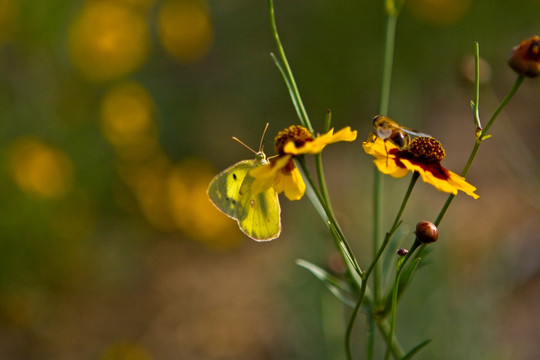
(423, 155)
(281, 171)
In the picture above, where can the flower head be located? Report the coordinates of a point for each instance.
(525, 59)
(423, 155)
(281, 171)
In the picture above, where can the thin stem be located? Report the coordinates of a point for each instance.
(396, 348)
(322, 182)
(387, 64)
(380, 250)
(327, 215)
(477, 88)
(370, 348)
(393, 310)
(287, 73)
(350, 326)
(483, 135)
(394, 227)
(503, 104)
(377, 180)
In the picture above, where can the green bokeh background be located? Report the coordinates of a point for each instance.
(87, 274)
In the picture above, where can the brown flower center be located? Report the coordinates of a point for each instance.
(296, 133)
(427, 148)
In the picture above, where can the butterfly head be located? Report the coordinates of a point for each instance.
(260, 157)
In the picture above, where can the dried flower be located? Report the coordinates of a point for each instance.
(525, 59)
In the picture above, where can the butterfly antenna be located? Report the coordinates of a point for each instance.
(262, 137)
(245, 145)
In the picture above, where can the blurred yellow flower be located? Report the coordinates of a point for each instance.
(439, 12)
(126, 351)
(108, 40)
(8, 15)
(127, 114)
(148, 182)
(142, 4)
(193, 214)
(185, 29)
(75, 216)
(39, 168)
(424, 156)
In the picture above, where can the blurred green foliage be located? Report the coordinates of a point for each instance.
(115, 114)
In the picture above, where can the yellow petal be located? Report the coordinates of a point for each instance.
(450, 185)
(384, 161)
(291, 183)
(317, 145)
(388, 166)
(265, 175)
(460, 183)
(378, 148)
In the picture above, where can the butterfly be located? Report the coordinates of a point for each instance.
(258, 215)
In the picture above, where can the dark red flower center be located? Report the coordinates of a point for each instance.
(424, 152)
(296, 133)
(428, 148)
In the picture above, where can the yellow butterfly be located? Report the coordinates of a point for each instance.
(258, 216)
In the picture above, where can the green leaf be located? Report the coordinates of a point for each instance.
(336, 286)
(415, 349)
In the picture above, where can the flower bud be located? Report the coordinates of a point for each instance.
(402, 252)
(426, 232)
(525, 59)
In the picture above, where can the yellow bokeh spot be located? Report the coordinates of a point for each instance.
(108, 40)
(75, 216)
(127, 114)
(40, 169)
(126, 351)
(148, 182)
(185, 29)
(8, 13)
(191, 209)
(142, 4)
(439, 12)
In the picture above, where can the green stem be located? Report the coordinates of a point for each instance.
(370, 348)
(380, 250)
(387, 64)
(322, 182)
(482, 136)
(476, 113)
(328, 217)
(396, 348)
(287, 73)
(397, 222)
(503, 104)
(393, 311)
(350, 326)
(377, 181)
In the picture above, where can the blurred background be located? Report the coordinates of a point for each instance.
(115, 115)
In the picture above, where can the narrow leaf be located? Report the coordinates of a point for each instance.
(416, 349)
(336, 286)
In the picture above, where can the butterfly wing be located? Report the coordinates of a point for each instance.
(258, 216)
(224, 189)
